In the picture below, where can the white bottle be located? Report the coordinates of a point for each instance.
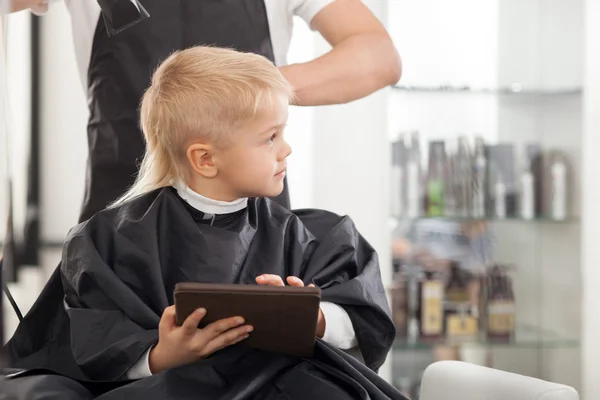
(559, 189)
(527, 196)
(500, 198)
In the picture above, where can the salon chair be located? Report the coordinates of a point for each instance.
(455, 380)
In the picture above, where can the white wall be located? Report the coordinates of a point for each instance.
(591, 211)
(446, 42)
(299, 132)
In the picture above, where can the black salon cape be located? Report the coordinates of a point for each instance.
(119, 270)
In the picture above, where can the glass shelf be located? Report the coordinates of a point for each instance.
(541, 219)
(515, 89)
(525, 337)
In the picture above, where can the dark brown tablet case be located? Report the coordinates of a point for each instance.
(284, 318)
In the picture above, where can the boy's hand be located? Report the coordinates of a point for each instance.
(185, 344)
(275, 280)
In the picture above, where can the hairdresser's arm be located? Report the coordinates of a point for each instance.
(362, 61)
(19, 5)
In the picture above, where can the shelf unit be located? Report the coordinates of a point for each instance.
(490, 71)
(525, 337)
(516, 89)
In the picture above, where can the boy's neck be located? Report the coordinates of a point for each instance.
(206, 203)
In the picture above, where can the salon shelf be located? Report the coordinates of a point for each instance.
(525, 337)
(545, 220)
(515, 89)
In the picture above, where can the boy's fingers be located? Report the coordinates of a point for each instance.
(167, 320)
(312, 285)
(293, 281)
(269, 279)
(191, 322)
(228, 338)
(223, 325)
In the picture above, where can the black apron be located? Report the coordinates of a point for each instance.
(121, 68)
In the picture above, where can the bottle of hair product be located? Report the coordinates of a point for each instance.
(397, 184)
(558, 172)
(459, 321)
(436, 175)
(527, 191)
(456, 288)
(451, 181)
(431, 307)
(500, 306)
(413, 176)
(478, 190)
(510, 302)
(463, 176)
(500, 198)
(400, 297)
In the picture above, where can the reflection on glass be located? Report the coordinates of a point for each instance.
(513, 89)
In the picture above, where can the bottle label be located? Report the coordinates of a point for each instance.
(435, 197)
(501, 317)
(432, 309)
(461, 325)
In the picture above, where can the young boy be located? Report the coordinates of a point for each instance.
(199, 211)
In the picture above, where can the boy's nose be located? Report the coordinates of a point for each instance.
(285, 151)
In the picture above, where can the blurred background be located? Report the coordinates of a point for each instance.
(475, 177)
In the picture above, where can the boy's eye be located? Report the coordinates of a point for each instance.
(272, 138)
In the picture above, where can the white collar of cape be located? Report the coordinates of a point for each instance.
(206, 205)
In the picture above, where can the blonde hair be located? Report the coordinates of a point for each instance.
(199, 93)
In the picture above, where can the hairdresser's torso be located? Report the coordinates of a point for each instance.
(116, 70)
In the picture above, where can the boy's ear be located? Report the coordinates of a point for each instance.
(200, 156)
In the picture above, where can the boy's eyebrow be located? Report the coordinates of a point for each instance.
(273, 127)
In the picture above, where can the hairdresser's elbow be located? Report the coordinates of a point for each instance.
(389, 63)
(394, 72)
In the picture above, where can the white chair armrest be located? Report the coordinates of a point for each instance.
(455, 380)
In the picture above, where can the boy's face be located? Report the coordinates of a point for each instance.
(254, 164)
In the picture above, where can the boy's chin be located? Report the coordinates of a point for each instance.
(271, 192)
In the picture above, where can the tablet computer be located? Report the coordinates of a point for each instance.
(284, 317)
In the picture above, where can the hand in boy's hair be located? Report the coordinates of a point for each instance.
(275, 280)
(185, 344)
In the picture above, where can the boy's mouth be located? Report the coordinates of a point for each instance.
(281, 173)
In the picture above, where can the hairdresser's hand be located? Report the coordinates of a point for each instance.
(275, 280)
(185, 344)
